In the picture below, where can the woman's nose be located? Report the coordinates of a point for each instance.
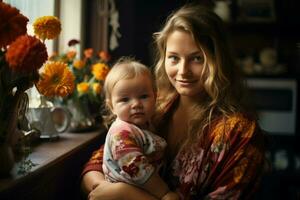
(183, 67)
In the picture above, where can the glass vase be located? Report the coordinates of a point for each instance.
(8, 132)
(81, 118)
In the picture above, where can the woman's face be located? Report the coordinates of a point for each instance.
(184, 63)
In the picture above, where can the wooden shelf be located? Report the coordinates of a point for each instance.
(57, 173)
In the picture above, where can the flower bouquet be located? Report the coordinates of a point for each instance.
(89, 74)
(21, 57)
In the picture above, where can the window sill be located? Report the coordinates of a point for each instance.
(57, 173)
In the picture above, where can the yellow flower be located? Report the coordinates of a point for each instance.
(97, 88)
(83, 87)
(78, 64)
(47, 27)
(56, 80)
(100, 71)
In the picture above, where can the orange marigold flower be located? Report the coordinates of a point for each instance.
(88, 53)
(47, 27)
(100, 71)
(97, 88)
(56, 80)
(83, 87)
(71, 55)
(78, 64)
(104, 55)
(26, 54)
(12, 24)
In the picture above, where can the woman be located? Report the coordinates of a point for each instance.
(215, 147)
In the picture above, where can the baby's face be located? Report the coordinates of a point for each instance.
(133, 100)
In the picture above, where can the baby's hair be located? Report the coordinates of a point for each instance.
(124, 68)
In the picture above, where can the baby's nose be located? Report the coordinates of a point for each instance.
(136, 103)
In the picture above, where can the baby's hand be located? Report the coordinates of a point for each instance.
(171, 196)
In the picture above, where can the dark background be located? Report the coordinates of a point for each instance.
(140, 19)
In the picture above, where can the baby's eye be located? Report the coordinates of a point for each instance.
(124, 99)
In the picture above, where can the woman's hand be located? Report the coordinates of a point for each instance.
(118, 191)
(170, 196)
(91, 180)
(107, 191)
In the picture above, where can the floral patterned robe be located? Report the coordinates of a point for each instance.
(131, 155)
(227, 164)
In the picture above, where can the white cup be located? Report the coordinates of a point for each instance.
(50, 121)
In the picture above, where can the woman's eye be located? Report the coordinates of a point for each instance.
(144, 96)
(198, 59)
(173, 58)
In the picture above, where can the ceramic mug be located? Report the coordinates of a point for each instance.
(50, 121)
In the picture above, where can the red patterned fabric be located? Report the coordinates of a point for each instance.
(226, 165)
(95, 162)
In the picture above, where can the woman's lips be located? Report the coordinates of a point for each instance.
(185, 82)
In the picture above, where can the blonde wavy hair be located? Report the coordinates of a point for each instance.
(124, 68)
(221, 77)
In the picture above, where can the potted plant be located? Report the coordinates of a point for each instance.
(85, 102)
(21, 57)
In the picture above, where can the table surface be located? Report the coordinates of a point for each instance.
(48, 153)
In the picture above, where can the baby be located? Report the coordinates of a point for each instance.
(132, 154)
